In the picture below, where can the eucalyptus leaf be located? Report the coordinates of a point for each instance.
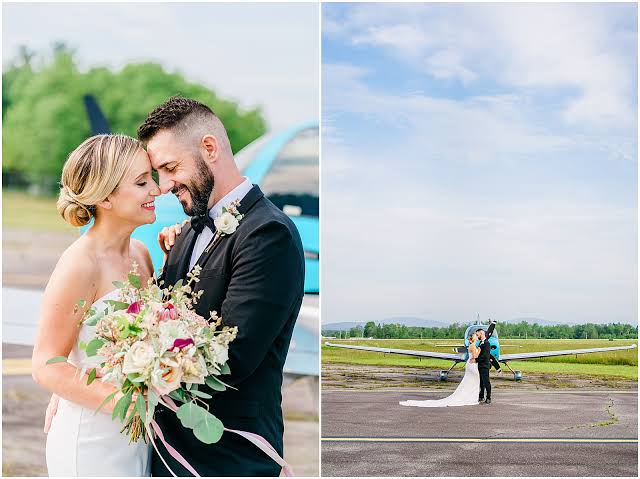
(117, 305)
(178, 284)
(190, 414)
(105, 401)
(126, 401)
(141, 407)
(215, 383)
(131, 414)
(134, 280)
(200, 394)
(93, 346)
(178, 396)
(93, 319)
(210, 429)
(152, 397)
(92, 376)
(116, 409)
(151, 411)
(222, 382)
(135, 378)
(224, 369)
(118, 284)
(57, 359)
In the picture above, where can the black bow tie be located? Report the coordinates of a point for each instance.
(199, 222)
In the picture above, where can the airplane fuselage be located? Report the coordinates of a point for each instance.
(493, 340)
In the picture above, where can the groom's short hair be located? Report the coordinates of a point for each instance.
(177, 113)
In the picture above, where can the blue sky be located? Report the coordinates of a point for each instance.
(252, 53)
(479, 158)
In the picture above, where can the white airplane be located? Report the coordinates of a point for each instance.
(462, 354)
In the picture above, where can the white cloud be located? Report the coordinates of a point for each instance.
(541, 46)
(477, 129)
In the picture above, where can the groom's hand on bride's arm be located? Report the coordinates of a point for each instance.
(167, 236)
(266, 284)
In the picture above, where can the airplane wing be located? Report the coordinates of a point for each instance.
(406, 352)
(566, 352)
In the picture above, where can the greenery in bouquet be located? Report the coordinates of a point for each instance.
(151, 344)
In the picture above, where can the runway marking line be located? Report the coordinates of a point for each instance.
(502, 393)
(483, 440)
(16, 367)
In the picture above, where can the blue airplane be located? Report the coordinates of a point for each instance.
(286, 166)
(461, 354)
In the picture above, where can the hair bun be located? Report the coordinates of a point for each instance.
(73, 212)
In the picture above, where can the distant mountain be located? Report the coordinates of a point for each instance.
(406, 320)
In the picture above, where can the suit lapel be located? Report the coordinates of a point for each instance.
(248, 202)
(182, 267)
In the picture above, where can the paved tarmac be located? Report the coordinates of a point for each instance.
(24, 404)
(567, 432)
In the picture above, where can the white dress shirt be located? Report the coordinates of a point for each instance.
(205, 237)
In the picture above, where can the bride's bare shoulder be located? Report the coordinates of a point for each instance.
(142, 255)
(76, 272)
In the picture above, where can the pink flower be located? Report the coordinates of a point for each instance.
(169, 313)
(135, 307)
(182, 343)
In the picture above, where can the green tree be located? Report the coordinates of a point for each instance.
(370, 329)
(44, 117)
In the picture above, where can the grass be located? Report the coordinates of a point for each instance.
(621, 364)
(25, 211)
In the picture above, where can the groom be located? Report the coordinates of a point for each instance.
(252, 275)
(484, 362)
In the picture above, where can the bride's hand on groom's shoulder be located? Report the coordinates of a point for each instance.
(167, 236)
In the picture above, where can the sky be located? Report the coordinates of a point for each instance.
(250, 53)
(479, 158)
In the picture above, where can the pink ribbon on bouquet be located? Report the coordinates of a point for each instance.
(256, 439)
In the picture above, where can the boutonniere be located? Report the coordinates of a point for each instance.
(227, 222)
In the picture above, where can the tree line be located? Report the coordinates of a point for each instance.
(44, 119)
(522, 330)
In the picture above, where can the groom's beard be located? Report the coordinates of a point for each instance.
(200, 189)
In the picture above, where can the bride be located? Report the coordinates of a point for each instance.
(107, 178)
(466, 394)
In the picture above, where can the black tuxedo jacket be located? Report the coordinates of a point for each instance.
(254, 279)
(484, 358)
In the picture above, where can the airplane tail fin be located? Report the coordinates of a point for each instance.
(98, 122)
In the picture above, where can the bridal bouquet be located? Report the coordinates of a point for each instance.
(153, 346)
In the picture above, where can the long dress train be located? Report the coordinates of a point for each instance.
(466, 394)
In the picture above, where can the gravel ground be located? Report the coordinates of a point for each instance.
(24, 403)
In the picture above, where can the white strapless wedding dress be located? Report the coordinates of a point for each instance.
(466, 394)
(82, 442)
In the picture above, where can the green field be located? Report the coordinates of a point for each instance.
(21, 210)
(622, 364)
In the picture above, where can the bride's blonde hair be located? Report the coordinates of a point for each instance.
(92, 172)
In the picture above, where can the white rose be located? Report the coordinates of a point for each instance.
(195, 370)
(170, 331)
(138, 358)
(220, 352)
(226, 223)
